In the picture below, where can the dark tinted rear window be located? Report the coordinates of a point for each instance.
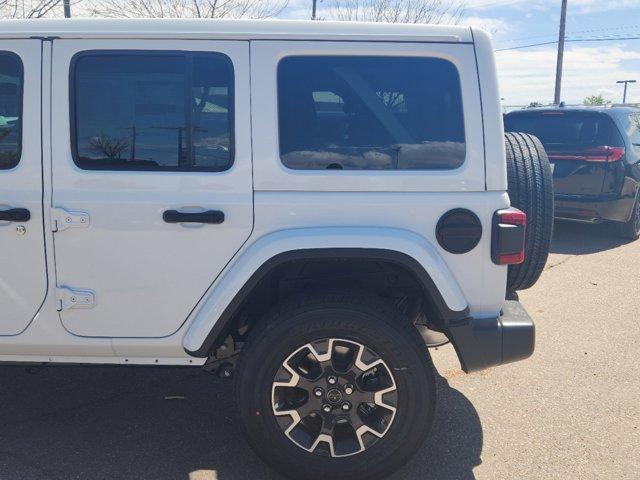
(559, 130)
(370, 113)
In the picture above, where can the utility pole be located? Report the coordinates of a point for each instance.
(624, 95)
(67, 8)
(563, 21)
(313, 10)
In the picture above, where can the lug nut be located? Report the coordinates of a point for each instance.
(326, 408)
(332, 380)
(346, 406)
(318, 392)
(348, 389)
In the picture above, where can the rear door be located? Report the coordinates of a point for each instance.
(23, 280)
(152, 189)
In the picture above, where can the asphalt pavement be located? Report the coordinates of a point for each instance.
(572, 411)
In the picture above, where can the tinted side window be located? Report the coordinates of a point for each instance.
(370, 113)
(634, 134)
(167, 111)
(10, 110)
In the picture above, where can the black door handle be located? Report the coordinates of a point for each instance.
(15, 215)
(214, 217)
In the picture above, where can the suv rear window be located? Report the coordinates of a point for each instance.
(566, 130)
(10, 110)
(370, 113)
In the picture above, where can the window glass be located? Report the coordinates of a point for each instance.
(153, 111)
(370, 113)
(634, 134)
(566, 131)
(10, 110)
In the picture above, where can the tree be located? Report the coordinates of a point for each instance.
(397, 11)
(187, 8)
(109, 147)
(535, 104)
(28, 8)
(595, 100)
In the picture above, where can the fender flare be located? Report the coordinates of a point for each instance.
(218, 306)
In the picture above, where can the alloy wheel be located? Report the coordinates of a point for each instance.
(334, 397)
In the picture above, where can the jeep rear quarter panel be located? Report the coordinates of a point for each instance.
(325, 208)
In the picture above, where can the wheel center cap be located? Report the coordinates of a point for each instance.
(334, 395)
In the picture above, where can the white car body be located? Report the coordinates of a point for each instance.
(159, 289)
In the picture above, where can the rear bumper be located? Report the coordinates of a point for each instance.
(487, 342)
(594, 210)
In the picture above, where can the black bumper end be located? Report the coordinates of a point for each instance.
(590, 210)
(487, 342)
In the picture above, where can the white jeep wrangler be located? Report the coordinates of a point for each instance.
(308, 204)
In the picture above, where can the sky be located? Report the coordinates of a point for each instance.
(528, 74)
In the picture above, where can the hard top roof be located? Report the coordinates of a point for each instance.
(231, 29)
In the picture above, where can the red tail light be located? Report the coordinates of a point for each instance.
(509, 228)
(595, 154)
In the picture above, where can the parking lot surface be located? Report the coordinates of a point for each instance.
(571, 411)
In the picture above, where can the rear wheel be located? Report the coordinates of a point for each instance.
(631, 229)
(335, 386)
(530, 190)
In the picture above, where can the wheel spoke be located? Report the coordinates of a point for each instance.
(343, 355)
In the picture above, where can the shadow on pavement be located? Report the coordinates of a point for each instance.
(572, 238)
(454, 446)
(141, 423)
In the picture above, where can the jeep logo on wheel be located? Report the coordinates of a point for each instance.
(334, 395)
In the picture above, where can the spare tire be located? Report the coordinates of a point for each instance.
(530, 190)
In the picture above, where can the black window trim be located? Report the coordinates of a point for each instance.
(188, 55)
(15, 56)
(366, 171)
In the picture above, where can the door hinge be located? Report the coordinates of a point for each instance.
(62, 219)
(67, 298)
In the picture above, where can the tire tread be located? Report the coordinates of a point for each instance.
(531, 190)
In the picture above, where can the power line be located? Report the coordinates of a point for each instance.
(575, 32)
(603, 39)
(555, 42)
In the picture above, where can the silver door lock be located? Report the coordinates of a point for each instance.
(21, 229)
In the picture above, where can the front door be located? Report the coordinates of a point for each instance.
(23, 280)
(152, 189)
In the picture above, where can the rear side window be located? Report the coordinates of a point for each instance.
(560, 131)
(164, 111)
(11, 79)
(370, 113)
(634, 133)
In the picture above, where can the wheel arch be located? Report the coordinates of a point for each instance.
(209, 323)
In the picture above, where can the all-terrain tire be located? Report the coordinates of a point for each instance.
(530, 190)
(355, 317)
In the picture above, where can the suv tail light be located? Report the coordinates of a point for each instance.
(595, 154)
(507, 243)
